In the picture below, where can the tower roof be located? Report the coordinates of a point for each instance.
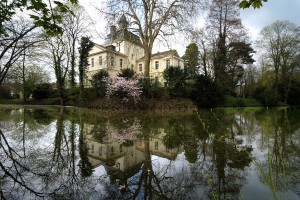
(123, 23)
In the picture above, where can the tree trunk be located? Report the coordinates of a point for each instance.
(61, 90)
(72, 74)
(23, 77)
(147, 63)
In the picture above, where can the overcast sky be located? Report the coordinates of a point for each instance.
(253, 19)
(256, 19)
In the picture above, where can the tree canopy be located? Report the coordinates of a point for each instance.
(42, 12)
(191, 58)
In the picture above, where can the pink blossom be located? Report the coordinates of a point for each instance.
(127, 134)
(125, 89)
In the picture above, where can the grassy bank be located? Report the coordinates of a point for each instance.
(114, 104)
(143, 104)
(240, 102)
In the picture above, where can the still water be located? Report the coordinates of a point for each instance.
(70, 153)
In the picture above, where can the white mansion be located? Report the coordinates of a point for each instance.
(123, 49)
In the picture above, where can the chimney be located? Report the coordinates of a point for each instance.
(113, 31)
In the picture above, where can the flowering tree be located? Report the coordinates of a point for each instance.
(125, 89)
(127, 133)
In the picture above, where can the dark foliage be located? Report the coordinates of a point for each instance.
(267, 96)
(126, 73)
(175, 79)
(205, 93)
(150, 87)
(191, 59)
(294, 94)
(85, 46)
(42, 91)
(98, 83)
(4, 92)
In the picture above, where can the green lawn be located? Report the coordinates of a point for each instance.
(240, 102)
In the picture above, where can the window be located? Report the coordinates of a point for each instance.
(131, 56)
(121, 63)
(140, 67)
(100, 151)
(112, 61)
(168, 63)
(156, 145)
(92, 62)
(156, 64)
(100, 60)
(178, 63)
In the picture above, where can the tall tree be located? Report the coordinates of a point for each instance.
(151, 19)
(85, 46)
(60, 61)
(223, 21)
(75, 25)
(281, 42)
(239, 54)
(248, 82)
(191, 59)
(205, 45)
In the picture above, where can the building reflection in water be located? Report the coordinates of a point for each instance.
(125, 159)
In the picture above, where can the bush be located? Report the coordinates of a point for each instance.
(266, 96)
(205, 93)
(98, 82)
(127, 73)
(151, 88)
(294, 94)
(4, 92)
(72, 95)
(175, 78)
(42, 91)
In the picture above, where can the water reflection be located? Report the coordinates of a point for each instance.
(60, 153)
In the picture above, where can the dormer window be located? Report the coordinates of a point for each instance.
(112, 61)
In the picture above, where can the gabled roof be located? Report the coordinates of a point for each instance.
(106, 50)
(163, 54)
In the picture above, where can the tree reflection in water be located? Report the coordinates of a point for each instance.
(61, 153)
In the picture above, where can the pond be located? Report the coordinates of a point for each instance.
(71, 153)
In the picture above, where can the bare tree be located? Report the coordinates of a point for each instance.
(205, 43)
(152, 19)
(281, 41)
(58, 57)
(75, 26)
(20, 35)
(225, 23)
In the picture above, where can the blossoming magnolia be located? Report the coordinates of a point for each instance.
(125, 89)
